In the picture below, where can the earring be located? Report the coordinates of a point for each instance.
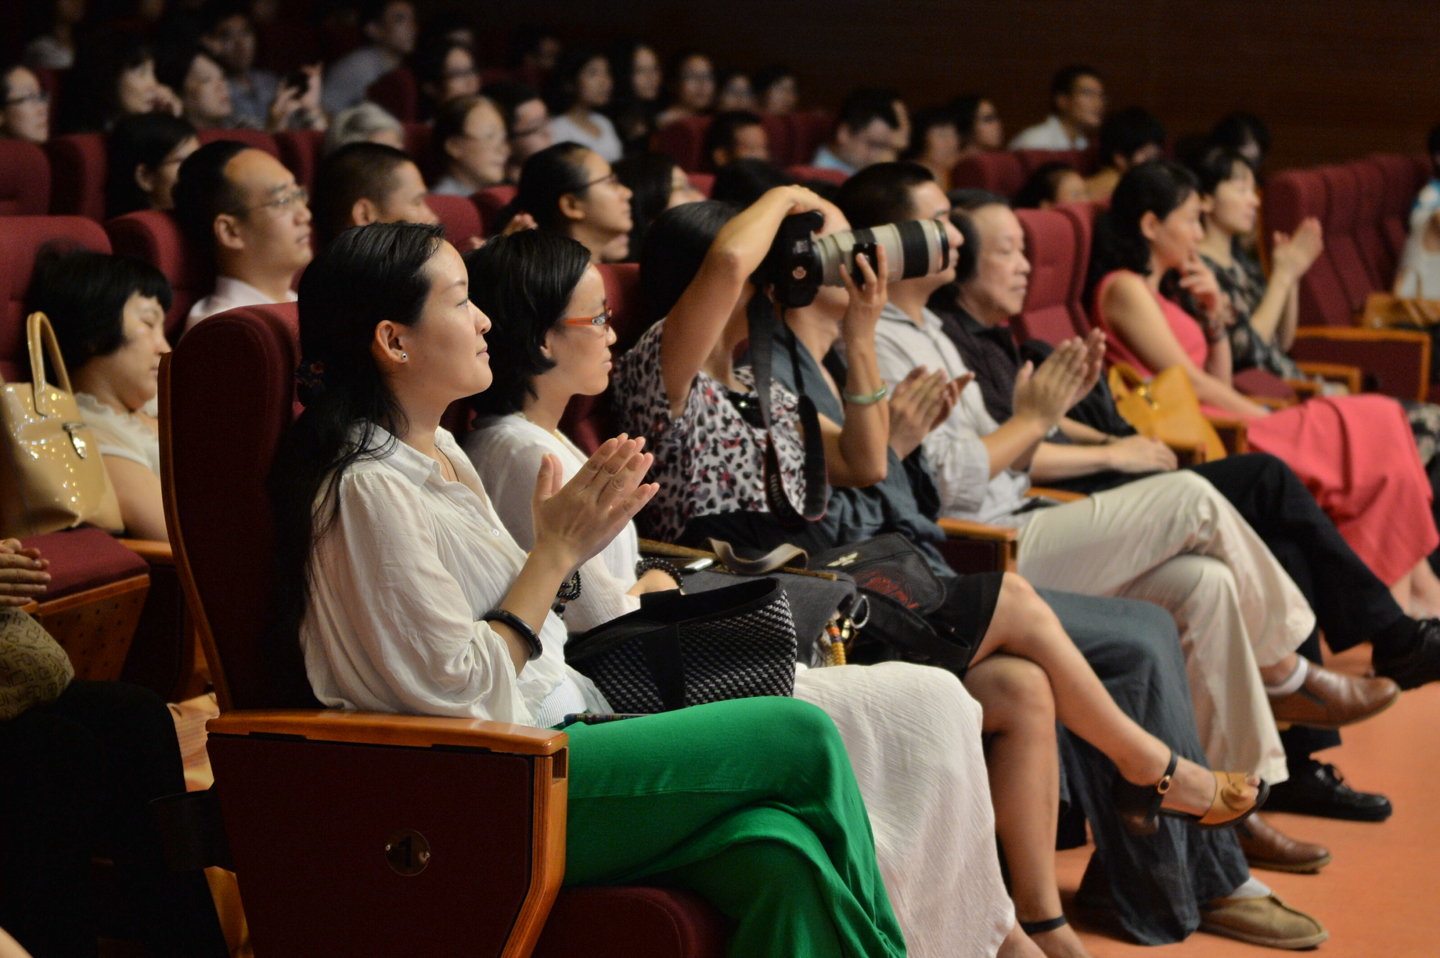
(404, 357)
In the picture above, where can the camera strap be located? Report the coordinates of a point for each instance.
(763, 326)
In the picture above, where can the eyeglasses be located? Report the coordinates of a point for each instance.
(530, 131)
(599, 321)
(609, 179)
(283, 204)
(41, 97)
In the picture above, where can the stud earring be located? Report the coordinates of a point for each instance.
(404, 356)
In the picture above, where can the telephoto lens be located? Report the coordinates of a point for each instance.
(799, 263)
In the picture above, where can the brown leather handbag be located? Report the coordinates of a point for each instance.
(52, 475)
(1165, 408)
(1388, 311)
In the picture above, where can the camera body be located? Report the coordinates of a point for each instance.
(799, 263)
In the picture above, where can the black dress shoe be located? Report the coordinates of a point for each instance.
(1320, 789)
(1418, 666)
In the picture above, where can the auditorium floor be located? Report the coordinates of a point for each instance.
(1380, 897)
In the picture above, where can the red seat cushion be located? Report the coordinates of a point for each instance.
(1342, 247)
(1051, 246)
(84, 558)
(1399, 178)
(459, 217)
(1290, 197)
(1370, 223)
(156, 238)
(780, 138)
(300, 152)
(490, 201)
(251, 138)
(398, 92)
(24, 179)
(77, 175)
(21, 238)
(704, 182)
(682, 141)
(1082, 218)
(625, 922)
(808, 130)
(999, 172)
(802, 172)
(1082, 160)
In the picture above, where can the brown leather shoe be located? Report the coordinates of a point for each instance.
(1266, 847)
(1330, 700)
(1268, 922)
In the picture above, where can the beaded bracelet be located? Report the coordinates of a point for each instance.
(664, 565)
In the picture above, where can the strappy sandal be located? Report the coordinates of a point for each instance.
(1139, 805)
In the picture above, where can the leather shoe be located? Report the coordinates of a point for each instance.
(1330, 700)
(1267, 921)
(1421, 664)
(1319, 789)
(1266, 847)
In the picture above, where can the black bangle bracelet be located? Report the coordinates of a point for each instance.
(519, 625)
(664, 565)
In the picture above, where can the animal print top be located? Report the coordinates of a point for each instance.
(711, 460)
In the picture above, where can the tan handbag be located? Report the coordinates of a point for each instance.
(1388, 311)
(52, 476)
(1165, 408)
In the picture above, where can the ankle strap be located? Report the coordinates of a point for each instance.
(1039, 927)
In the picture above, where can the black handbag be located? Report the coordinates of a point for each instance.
(681, 650)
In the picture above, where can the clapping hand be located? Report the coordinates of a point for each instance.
(22, 573)
(920, 402)
(575, 521)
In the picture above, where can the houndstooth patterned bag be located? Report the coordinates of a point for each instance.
(682, 650)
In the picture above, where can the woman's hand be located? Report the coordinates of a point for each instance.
(868, 300)
(654, 580)
(574, 522)
(919, 403)
(1197, 279)
(22, 573)
(287, 101)
(164, 99)
(1297, 252)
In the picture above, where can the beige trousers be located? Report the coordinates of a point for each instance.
(1172, 539)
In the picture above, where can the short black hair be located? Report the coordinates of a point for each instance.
(1215, 166)
(508, 95)
(649, 177)
(764, 79)
(1125, 132)
(723, 129)
(1041, 185)
(547, 176)
(880, 193)
(1065, 78)
(373, 11)
(173, 64)
(1237, 129)
(84, 295)
(428, 62)
(140, 139)
(963, 204)
(920, 126)
(526, 40)
(449, 122)
(562, 89)
(218, 11)
(866, 105)
(355, 171)
(742, 182)
(203, 192)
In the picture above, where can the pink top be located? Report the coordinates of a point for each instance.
(1182, 324)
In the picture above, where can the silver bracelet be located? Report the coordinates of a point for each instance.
(869, 399)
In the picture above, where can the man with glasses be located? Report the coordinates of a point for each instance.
(1077, 97)
(527, 122)
(24, 106)
(866, 131)
(257, 97)
(241, 208)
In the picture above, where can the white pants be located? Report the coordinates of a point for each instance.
(913, 736)
(1172, 539)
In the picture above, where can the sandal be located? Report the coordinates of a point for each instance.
(1139, 805)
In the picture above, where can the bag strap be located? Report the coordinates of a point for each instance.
(763, 326)
(40, 337)
(782, 555)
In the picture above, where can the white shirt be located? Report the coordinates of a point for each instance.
(1049, 135)
(230, 293)
(1419, 274)
(125, 436)
(607, 144)
(506, 452)
(451, 186)
(958, 458)
(399, 583)
(825, 159)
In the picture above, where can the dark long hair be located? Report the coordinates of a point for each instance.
(674, 250)
(1156, 187)
(365, 276)
(144, 139)
(523, 282)
(649, 177)
(547, 176)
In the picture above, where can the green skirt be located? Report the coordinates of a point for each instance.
(751, 804)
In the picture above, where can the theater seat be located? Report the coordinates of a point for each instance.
(1401, 187)
(398, 93)
(809, 129)
(1052, 246)
(300, 152)
(682, 140)
(1082, 160)
(780, 139)
(254, 139)
(24, 179)
(418, 145)
(490, 201)
(1341, 222)
(77, 175)
(1370, 224)
(802, 173)
(1000, 172)
(704, 182)
(156, 238)
(459, 217)
(488, 798)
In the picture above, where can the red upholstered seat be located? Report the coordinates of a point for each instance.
(459, 217)
(24, 179)
(300, 152)
(1401, 185)
(1342, 247)
(398, 92)
(1082, 160)
(490, 201)
(417, 144)
(780, 139)
(21, 238)
(1082, 218)
(1370, 223)
(1052, 246)
(802, 172)
(251, 138)
(631, 923)
(156, 238)
(809, 129)
(704, 182)
(587, 418)
(1000, 172)
(84, 558)
(1290, 197)
(77, 175)
(682, 140)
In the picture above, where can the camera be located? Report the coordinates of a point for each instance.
(799, 263)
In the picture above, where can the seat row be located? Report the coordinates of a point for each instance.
(792, 138)
(1004, 172)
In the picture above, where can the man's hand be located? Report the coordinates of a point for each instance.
(1138, 454)
(1046, 394)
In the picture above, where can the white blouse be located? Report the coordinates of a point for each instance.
(125, 436)
(398, 585)
(606, 142)
(506, 452)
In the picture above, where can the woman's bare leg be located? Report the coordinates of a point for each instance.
(1424, 587)
(1024, 772)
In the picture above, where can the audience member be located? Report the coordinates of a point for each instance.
(866, 127)
(113, 78)
(656, 183)
(1246, 134)
(635, 99)
(935, 143)
(527, 122)
(735, 135)
(108, 313)
(902, 132)
(579, 88)
(365, 123)
(144, 153)
(534, 51)
(979, 124)
(1128, 138)
(243, 211)
(733, 91)
(1050, 184)
(570, 189)
(692, 88)
(777, 91)
(742, 182)
(1077, 108)
(54, 47)
(1419, 274)
(470, 146)
(24, 106)
(257, 97)
(365, 183)
(445, 70)
(389, 26)
(200, 83)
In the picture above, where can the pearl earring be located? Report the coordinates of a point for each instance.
(404, 356)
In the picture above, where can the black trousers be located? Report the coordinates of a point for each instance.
(80, 772)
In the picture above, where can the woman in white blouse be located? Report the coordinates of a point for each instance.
(579, 89)
(108, 313)
(408, 595)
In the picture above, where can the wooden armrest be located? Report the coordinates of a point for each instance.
(1336, 372)
(1304, 388)
(1397, 359)
(965, 529)
(1062, 495)
(376, 728)
(1234, 433)
(1273, 402)
(978, 547)
(152, 551)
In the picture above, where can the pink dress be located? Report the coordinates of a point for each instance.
(1355, 454)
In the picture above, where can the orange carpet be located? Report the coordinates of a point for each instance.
(1380, 897)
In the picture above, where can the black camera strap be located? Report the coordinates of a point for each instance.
(763, 326)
